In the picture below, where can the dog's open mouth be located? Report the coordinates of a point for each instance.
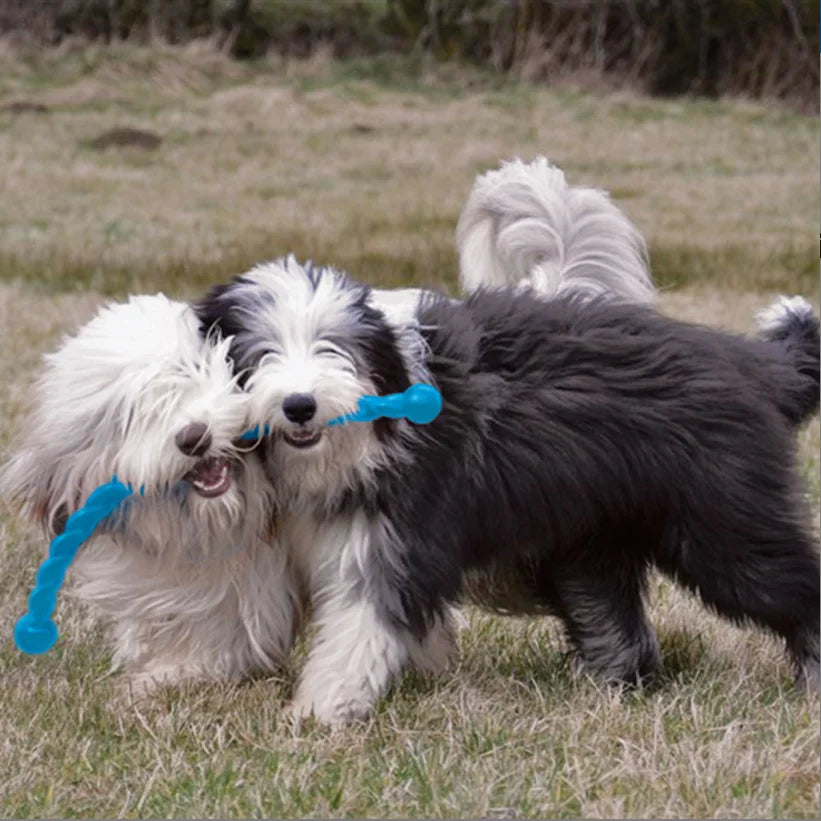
(302, 438)
(210, 476)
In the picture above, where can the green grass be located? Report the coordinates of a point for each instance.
(742, 267)
(365, 166)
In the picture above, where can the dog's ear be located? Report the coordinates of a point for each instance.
(210, 310)
(379, 343)
(214, 310)
(27, 487)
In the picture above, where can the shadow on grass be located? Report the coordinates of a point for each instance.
(537, 660)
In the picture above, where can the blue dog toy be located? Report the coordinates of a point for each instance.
(419, 404)
(36, 633)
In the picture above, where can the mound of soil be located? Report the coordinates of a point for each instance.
(23, 107)
(132, 137)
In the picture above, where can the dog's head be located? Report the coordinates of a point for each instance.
(138, 393)
(308, 342)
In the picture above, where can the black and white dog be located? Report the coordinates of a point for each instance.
(581, 442)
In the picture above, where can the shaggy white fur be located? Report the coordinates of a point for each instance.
(523, 224)
(190, 574)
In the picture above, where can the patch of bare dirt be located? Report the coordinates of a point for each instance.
(131, 137)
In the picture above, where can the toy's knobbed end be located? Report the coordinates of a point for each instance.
(35, 636)
(423, 403)
(420, 404)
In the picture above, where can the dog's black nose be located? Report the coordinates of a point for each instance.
(194, 439)
(299, 407)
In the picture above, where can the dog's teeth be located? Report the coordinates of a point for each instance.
(215, 486)
(217, 483)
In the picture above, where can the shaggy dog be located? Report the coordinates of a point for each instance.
(581, 441)
(523, 224)
(187, 572)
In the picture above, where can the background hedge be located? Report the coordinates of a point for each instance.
(754, 47)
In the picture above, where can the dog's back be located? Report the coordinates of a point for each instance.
(581, 442)
(629, 353)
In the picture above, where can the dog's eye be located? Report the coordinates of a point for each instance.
(328, 350)
(269, 353)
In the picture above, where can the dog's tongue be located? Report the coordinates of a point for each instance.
(211, 476)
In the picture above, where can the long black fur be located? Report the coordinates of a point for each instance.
(581, 443)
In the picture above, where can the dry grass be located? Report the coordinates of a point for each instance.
(370, 175)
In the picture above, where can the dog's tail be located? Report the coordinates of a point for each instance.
(791, 324)
(524, 224)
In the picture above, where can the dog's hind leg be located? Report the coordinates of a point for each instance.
(603, 612)
(763, 568)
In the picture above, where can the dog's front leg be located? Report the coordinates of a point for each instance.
(351, 662)
(357, 650)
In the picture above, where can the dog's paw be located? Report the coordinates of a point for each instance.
(136, 691)
(334, 712)
(301, 710)
(142, 685)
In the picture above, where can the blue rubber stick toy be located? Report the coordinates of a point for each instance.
(419, 404)
(35, 632)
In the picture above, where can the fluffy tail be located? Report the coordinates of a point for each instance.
(791, 324)
(524, 224)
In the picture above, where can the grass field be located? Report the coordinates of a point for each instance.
(366, 165)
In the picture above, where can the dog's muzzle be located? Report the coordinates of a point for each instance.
(211, 475)
(300, 409)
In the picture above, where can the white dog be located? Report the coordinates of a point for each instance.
(189, 573)
(523, 224)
